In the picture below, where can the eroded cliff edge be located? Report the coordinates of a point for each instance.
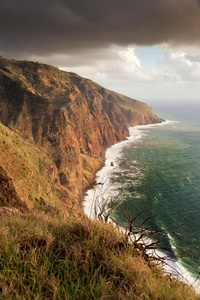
(69, 118)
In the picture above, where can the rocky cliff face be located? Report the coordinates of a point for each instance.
(73, 119)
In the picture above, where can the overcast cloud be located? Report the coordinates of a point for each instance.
(44, 27)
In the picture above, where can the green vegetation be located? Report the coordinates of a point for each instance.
(8, 194)
(41, 167)
(43, 257)
(23, 178)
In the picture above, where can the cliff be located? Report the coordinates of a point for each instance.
(71, 119)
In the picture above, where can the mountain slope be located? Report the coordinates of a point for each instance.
(54, 127)
(28, 177)
(73, 119)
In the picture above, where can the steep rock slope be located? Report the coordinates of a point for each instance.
(73, 119)
(27, 175)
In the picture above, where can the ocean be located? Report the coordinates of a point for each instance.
(155, 173)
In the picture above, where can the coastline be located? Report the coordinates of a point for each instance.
(111, 156)
(92, 185)
(99, 192)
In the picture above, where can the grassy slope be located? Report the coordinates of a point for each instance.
(28, 166)
(43, 257)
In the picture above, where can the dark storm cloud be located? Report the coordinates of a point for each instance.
(45, 27)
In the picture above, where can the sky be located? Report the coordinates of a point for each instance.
(148, 49)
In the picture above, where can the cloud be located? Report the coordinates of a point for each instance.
(114, 64)
(176, 79)
(182, 66)
(61, 27)
(125, 65)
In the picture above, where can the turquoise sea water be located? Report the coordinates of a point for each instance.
(163, 168)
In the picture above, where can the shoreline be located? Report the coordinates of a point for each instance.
(107, 160)
(97, 194)
(103, 157)
(93, 184)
